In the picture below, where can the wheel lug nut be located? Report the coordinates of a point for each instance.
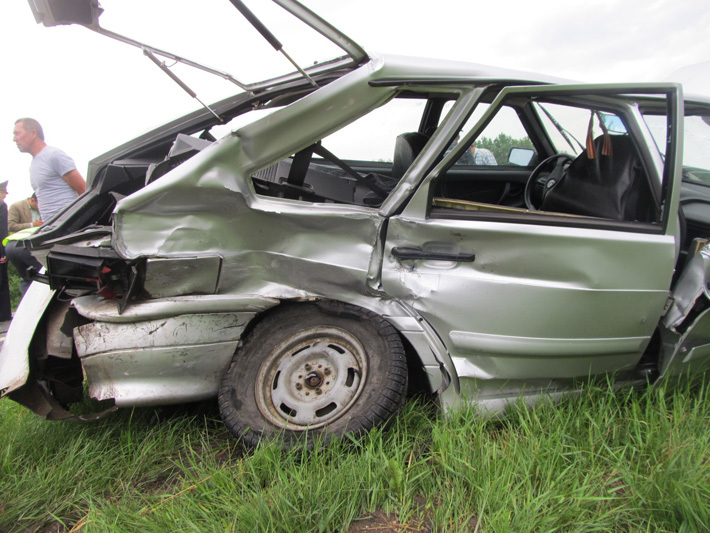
(308, 367)
(299, 386)
(327, 371)
(318, 391)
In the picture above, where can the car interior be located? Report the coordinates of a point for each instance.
(605, 179)
(569, 175)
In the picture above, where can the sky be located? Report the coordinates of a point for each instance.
(91, 93)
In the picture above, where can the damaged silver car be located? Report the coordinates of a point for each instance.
(382, 222)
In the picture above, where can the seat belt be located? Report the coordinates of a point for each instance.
(299, 166)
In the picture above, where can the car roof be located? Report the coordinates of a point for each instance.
(397, 69)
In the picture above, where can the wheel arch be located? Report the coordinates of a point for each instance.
(314, 367)
(430, 368)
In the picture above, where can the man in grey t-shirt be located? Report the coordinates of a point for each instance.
(53, 174)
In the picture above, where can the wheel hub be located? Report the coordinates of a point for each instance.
(314, 379)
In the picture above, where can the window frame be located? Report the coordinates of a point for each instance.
(618, 98)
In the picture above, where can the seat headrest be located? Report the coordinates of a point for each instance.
(406, 148)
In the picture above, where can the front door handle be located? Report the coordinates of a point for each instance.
(414, 252)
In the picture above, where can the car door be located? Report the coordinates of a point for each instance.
(523, 295)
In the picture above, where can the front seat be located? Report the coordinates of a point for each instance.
(613, 184)
(406, 148)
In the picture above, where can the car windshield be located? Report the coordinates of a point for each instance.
(696, 145)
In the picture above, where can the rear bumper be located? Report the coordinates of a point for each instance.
(15, 352)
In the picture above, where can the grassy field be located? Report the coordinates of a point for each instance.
(603, 461)
(14, 282)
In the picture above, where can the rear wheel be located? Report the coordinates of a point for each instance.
(316, 368)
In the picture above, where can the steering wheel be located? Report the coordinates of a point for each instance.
(560, 161)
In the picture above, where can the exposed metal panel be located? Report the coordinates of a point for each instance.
(688, 355)
(692, 284)
(96, 308)
(685, 331)
(158, 376)
(159, 361)
(185, 330)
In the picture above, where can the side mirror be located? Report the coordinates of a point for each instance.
(62, 12)
(613, 123)
(522, 157)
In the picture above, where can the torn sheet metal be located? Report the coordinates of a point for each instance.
(159, 376)
(168, 360)
(59, 331)
(685, 331)
(435, 359)
(96, 308)
(185, 330)
(35, 396)
(692, 285)
(688, 355)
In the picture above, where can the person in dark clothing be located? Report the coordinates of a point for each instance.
(5, 308)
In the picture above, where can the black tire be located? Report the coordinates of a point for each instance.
(321, 368)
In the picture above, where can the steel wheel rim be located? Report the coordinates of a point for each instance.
(311, 379)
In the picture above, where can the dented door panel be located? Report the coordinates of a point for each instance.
(536, 301)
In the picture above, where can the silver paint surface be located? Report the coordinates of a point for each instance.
(15, 356)
(539, 305)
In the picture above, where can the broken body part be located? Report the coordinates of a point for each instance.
(306, 289)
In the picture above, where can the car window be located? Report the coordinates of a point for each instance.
(696, 145)
(565, 126)
(373, 136)
(592, 167)
(355, 165)
(493, 146)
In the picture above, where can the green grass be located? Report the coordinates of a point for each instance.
(13, 278)
(603, 461)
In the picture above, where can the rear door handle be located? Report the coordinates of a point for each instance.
(414, 252)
